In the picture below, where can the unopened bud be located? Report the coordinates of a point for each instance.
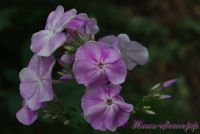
(155, 86)
(165, 96)
(146, 107)
(156, 95)
(66, 122)
(168, 83)
(150, 112)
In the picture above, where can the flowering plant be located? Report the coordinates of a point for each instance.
(100, 65)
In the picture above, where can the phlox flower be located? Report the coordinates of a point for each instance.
(36, 81)
(83, 25)
(45, 42)
(35, 87)
(104, 108)
(133, 53)
(97, 64)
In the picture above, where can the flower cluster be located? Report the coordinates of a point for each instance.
(101, 66)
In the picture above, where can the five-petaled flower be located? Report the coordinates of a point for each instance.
(36, 85)
(104, 109)
(45, 42)
(97, 64)
(133, 53)
(36, 81)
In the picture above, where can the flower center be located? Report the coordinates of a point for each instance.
(53, 30)
(40, 82)
(101, 66)
(109, 102)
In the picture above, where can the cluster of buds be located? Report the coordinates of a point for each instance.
(155, 93)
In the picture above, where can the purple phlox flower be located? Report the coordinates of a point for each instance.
(96, 63)
(168, 83)
(82, 24)
(104, 109)
(36, 81)
(26, 116)
(45, 42)
(156, 86)
(133, 53)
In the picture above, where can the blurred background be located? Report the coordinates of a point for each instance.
(170, 29)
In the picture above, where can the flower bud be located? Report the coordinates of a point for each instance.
(168, 83)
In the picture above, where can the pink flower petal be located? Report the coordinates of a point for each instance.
(90, 50)
(33, 102)
(54, 17)
(121, 118)
(65, 19)
(93, 97)
(116, 72)
(110, 118)
(44, 43)
(132, 52)
(112, 90)
(40, 41)
(28, 83)
(96, 116)
(101, 115)
(46, 92)
(109, 55)
(26, 116)
(42, 66)
(109, 40)
(124, 106)
(86, 72)
(77, 22)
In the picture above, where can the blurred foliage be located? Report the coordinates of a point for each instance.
(169, 29)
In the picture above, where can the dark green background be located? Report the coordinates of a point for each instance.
(170, 29)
